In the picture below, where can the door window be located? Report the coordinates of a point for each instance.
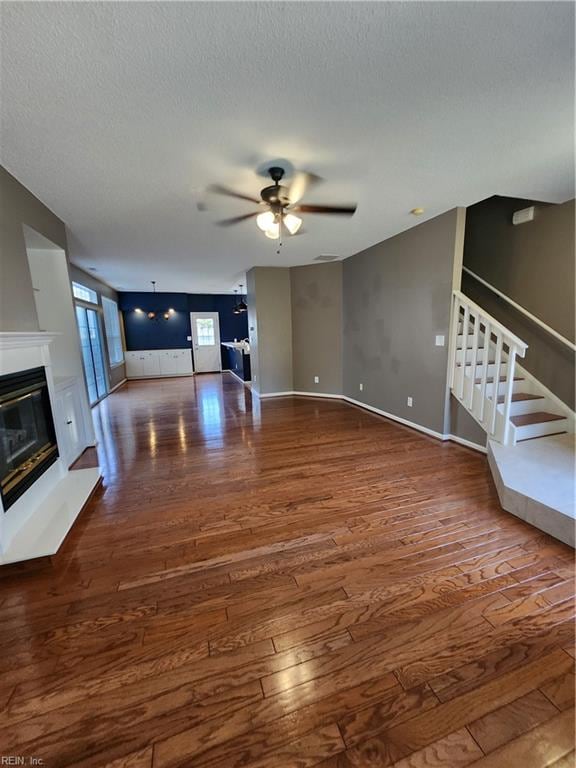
(205, 331)
(92, 358)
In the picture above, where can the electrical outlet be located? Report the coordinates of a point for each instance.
(361, 387)
(316, 380)
(409, 402)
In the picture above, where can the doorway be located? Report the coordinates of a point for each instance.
(92, 352)
(206, 341)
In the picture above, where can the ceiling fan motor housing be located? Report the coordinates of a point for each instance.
(276, 196)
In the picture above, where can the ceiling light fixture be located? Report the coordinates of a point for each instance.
(273, 232)
(269, 222)
(266, 220)
(292, 223)
(417, 211)
(152, 315)
(241, 306)
(235, 309)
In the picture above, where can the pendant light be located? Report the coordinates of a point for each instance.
(236, 310)
(242, 306)
(152, 315)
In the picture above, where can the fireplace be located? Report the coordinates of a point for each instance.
(27, 438)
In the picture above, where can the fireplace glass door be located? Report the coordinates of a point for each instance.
(90, 332)
(27, 439)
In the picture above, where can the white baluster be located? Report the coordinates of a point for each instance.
(465, 323)
(509, 391)
(473, 361)
(485, 361)
(496, 385)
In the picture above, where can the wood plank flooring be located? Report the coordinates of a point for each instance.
(284, 584)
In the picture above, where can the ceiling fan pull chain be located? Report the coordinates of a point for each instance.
(279, 233)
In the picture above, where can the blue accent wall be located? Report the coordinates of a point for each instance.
(142, 333)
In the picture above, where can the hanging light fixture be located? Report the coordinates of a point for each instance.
(273, 231)
(270, 223)
(151, 315)
(265, 220)
(236, 310)
(241, 306)
(292, 223)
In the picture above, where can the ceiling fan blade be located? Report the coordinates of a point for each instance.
(301, 183)
(340, 210)
(218, 189)
(236, 219)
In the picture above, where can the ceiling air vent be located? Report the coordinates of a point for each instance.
(327, 257)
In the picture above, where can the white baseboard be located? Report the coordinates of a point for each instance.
(380, 412)
(163, 376)
(467, 443)
(319, 394)
(266, 395)
(117, 386)
(399, 419)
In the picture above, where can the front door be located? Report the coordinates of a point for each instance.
(206, 341)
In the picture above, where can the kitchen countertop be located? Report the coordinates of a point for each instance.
(243, 346)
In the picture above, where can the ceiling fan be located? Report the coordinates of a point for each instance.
(281, 204)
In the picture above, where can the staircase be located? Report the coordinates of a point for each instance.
(485, 377)
(529, 430)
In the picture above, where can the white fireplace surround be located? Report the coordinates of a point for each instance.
(38, 522)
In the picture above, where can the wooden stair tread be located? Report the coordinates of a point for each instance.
(540, 417)
(519, 396)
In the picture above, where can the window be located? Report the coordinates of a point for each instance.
(205, 331)
(84, 294)
(113, 335)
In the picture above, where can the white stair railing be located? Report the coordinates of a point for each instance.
(482, 365)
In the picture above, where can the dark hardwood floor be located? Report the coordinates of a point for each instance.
(283, 584)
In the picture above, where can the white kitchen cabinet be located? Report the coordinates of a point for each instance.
(151, 363)
(175, 362)
(158, 362)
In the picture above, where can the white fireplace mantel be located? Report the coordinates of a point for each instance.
(38, 522)
(17, 339)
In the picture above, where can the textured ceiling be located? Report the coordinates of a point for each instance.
(117, 115)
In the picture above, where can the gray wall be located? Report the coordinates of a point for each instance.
(317, 327)
(270, 329)
(118, 373)
(18, 207)
(463, 425)
(534, 265)
(397, 297)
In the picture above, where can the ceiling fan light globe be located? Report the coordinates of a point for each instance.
(292, 223)
(273, 232)
(265, 220)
